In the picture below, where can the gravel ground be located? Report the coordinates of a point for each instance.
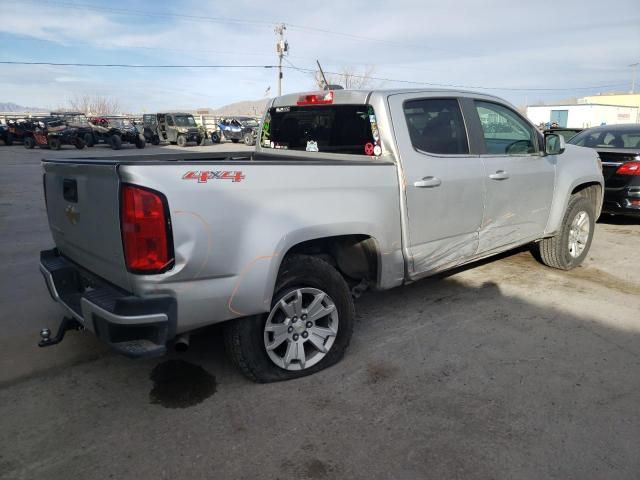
(504, 369)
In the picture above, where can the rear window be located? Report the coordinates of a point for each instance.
(610, 138)
(347, 129)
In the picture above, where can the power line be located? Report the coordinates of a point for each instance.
(309, 70)
(129, 65)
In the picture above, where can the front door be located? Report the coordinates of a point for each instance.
(444, 194)
(519, 178)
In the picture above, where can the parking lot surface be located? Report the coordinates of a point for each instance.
(504, 369)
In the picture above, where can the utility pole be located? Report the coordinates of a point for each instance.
(633, 78)
(282, 49)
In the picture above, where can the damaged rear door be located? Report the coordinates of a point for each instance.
(444, 182)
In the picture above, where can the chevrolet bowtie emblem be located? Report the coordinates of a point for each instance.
(72, 215)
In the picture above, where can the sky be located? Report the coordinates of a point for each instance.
(523, 51)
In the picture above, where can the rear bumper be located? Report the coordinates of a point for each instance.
(131, 325)
(622, 201)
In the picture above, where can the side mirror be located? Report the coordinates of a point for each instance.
(554, 144)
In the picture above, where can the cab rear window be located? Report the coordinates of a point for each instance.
(346, 129)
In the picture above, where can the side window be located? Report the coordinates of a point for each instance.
(436, 126)
(170, 121)
(505, 133)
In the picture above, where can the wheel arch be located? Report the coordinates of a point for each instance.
(591, 187)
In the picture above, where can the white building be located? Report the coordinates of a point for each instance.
(583, 115)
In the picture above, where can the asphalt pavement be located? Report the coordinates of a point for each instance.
(505, 369)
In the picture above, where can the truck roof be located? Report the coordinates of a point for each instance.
(343, 97)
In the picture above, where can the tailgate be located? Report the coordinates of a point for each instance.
(83, 208)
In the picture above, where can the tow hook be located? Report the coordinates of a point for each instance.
(67, 323)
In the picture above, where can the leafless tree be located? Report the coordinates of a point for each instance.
(94, 105)
(349, 77)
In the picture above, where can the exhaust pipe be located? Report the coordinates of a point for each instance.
(182, 342)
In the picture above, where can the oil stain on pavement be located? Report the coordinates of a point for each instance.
(180, 384)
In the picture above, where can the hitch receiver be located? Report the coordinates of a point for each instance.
(67, 323)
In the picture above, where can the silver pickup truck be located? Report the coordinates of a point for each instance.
(346, 191)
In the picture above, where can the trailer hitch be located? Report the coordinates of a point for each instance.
(67, 323)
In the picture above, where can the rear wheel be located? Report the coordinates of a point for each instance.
(140, 142)
(55, 143)
(79, 143)
(308, 328)
(569, 247)
(181, 141)
(116, 142)
(248, 139)
(215, 137)
(29, 142)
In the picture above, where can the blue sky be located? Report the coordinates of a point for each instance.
(494, 43)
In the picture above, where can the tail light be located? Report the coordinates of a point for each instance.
(146, 230)
(629, 168)
(320, 98)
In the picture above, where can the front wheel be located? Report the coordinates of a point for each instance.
(88, 139)
(55, 143)
(79, 143)
(248, 139)
(155, 140)
(308, 328)
(569, 247)
(116, 142)
(140, 142)
(29, 143)
(181, 141)
(215, 137)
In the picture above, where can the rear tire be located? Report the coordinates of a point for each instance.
(116, 142)
(79, 143)
(54, 143)
(570, 246)
(181, 141)
(248, 139)
(215, 137)
(246, 339)
(29, 143)
(141, 143)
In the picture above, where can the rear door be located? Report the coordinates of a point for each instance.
(519, 179)
(444, 182)
(84, 217)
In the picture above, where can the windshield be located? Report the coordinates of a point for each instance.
(608, 138)
(185, 121)
(250, 122)
(334, 129)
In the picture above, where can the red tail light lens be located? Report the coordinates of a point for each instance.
(629, 168)
(145, 231)
(320, 98)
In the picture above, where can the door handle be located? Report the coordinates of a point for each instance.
(428, 182)
(499, 175)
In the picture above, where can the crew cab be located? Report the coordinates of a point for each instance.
(345, 191)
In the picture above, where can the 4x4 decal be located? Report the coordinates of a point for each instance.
(203, 176)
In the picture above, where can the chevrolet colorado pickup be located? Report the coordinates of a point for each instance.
(345, 191)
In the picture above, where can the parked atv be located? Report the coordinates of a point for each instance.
(17, 130)
(79, 121)
(52, 133)
(115, 131)
(237, 129)
(175, 128)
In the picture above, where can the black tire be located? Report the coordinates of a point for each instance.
(215, 137)
(29, 142)
(88, 140)
(79, 143)
(155, 140)
(248, 139)
(244, 338)
(8, 140)
(200, 141)
(181, 141)
(54, 143)
(235, 140)
(555, 252)
(140, 142)
(116, 142)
